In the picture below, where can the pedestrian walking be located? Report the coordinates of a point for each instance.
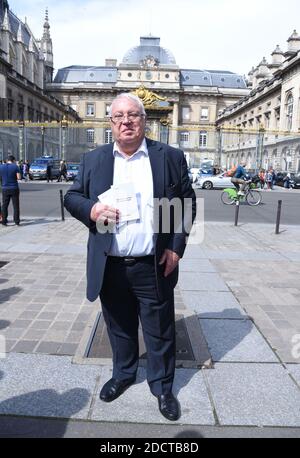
(262, 178)
(269, 179)
(20, 165)
(10, 174)
(25, 170)
(62, 171)
(287, 181)
(134, 267)
(49, 173)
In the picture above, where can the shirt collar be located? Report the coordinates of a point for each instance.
(142, 149)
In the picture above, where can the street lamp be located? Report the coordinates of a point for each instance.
(64, 126)
(259, 147)
(21, 139)
(43, 139)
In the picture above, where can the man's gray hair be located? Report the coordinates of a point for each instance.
(129, 96)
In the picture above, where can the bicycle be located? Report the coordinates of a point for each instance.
(252, 196)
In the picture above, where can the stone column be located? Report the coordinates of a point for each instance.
(173, 129)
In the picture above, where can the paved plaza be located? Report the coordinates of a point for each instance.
(241, 284)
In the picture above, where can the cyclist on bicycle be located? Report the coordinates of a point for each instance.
(239, 178)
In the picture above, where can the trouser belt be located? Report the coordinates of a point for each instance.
(130, 260)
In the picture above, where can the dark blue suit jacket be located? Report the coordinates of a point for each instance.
(170, 180)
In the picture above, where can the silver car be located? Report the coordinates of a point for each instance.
(220, 181)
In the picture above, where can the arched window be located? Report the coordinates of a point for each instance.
(289, 111)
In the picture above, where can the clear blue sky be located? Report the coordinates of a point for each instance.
(216, 34)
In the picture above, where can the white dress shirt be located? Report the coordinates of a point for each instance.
(135, 238)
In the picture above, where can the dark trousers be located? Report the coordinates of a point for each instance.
(130, 293)
(8, 194)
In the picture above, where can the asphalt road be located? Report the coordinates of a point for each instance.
(40, 199)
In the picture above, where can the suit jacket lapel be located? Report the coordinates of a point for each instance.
(157, 161)
(104, 170)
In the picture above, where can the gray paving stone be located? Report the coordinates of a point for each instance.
(236, 255)
(13, 333)
(196, 265)
(25, 346)
(21, 323)
(236, 340)
(47, 315)
(61, 325)
(29, 315)
(48, 348)
(66, 316)
(194, 252)
(9, 343)
(41, 324)
(254, 395)
(294, 369)
(48, 386)
(74, 337)
(55, 335)
(68, 349)
(190, 281)
(213, 304)
(137, 404)
(34, 334)
(37, 307)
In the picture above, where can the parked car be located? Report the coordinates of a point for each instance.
(295, 182)
(38, 168)
(72, 171)
(217, 181)
(194, 172)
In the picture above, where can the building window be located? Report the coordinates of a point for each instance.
(90, 135)
(108, 136)
(267, 120)
(289, 111)
(185, 114)
(204, 114)
(203, 139)
(107, 108)
(184, 139)
(90, 109)
(10, 105)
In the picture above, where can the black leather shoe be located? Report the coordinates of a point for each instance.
(114, 388)
(169, 406)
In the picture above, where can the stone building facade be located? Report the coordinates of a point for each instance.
(26, 66)
(263, 128)
(181, 104)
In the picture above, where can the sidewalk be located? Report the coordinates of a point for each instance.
(241, 283)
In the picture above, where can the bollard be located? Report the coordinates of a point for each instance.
(278, 216)
(62, 205)
(237, 209)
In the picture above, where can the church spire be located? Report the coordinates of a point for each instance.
(6, 22)
(46, 34)
(45, 45)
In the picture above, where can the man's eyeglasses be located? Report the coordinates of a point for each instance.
(131, 117)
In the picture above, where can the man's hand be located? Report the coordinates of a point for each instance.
(171, 259)
(104, 213)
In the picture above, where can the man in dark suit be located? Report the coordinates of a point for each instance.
(134, 268)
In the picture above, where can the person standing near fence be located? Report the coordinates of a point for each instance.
(10, 174)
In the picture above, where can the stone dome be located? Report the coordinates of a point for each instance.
(149, 53)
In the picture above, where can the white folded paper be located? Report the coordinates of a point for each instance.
(123, 198)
